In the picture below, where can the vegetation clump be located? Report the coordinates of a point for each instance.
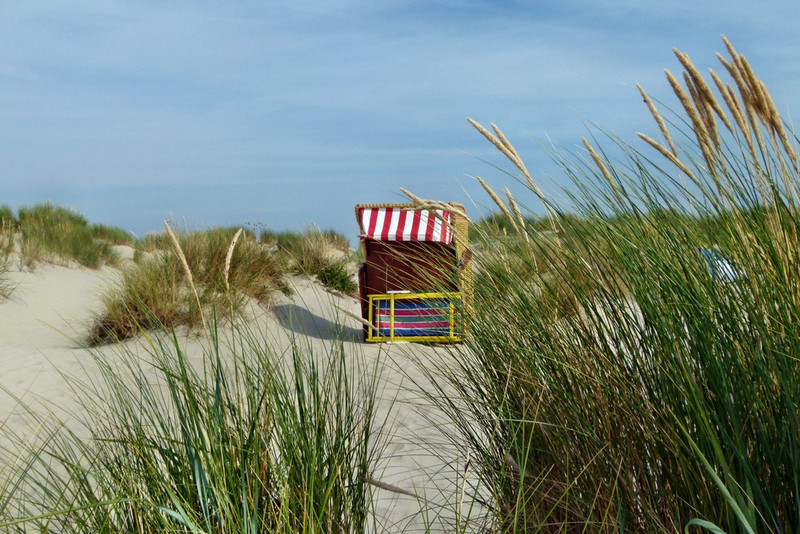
(612, 379)
(155, 291)
(321, 253)
(248, 438)
(49, 233)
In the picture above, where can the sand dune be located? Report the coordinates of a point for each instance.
(43, 325)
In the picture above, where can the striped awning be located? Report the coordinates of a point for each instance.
(398, 224)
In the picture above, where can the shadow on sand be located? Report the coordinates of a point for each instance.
(301, 321)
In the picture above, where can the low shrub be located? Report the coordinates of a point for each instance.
(323, 254)
(338, 277)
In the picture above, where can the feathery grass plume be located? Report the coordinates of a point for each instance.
(603, 169)
(669, 155)
(662, 126)
(500, 204)
(707, 95)
(179, 253)
(699, 126)
(229, 257)
(508, 150)
(512, 203)
(733, 105)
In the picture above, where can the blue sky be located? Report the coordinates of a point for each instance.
(291, 112)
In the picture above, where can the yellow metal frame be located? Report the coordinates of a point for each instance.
(456, 331)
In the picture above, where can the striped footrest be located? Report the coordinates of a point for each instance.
(415, 317)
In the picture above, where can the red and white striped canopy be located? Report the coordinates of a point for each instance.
(397, 224)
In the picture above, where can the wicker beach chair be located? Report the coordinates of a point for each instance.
(416, 277)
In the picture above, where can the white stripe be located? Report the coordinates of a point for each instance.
(393, 224)
(437, 226)
(379, 224)
(406, 235)
(423, 225)
(365, 213)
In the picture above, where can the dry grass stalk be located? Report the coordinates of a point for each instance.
(512, 203)
(434, 206)
(229, 257)
(667, 154)
(179, 252)
(662, 126)
(604, 170)
(500, 204)
(698, 125)
(704, 90)
(358, 318)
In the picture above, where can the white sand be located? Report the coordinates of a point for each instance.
(49, 313)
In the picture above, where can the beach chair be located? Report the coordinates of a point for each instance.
(415, 280)
(719, 267)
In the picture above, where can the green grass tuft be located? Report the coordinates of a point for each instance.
(155, 292)
(248, 438)
(58, 234)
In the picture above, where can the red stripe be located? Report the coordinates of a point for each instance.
(420, 313)
(387, 220)
(414, 225)
(373, 220)
(420, 325)
(446, 229)
(429, 229)
(401, 224)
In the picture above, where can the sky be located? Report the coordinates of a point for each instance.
(286, 114)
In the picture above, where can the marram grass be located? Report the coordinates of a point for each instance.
(156, 291)
(612, 379)
(51, 233)
(244, 439)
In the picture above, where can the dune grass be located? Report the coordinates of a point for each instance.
(611, 381)
(155, 291)
(321, 253)
(57, 234)
(112, 234)
(7, 226)
(245, 439)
